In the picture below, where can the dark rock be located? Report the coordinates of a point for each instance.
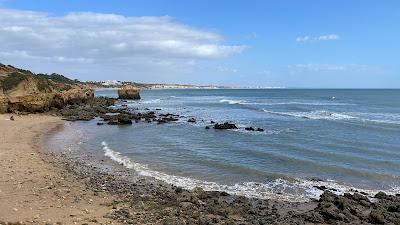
(100, 123)
(207, 127)
(322, 188)
(260, 129)
(376, 218)
(124, 119)
(178, 190)
(113, 122)
(249, 128)
(316, 179)
(192, 120)
(224, 126)
(381, 195)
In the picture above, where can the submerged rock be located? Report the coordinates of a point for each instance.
(253, 129)
(249, 128)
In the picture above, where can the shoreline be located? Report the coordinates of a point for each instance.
(56, 187)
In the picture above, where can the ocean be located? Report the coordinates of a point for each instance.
(343, 139)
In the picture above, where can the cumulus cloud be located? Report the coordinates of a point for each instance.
(328, 37)
(95, 38)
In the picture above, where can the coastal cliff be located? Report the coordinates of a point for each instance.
(24, 91)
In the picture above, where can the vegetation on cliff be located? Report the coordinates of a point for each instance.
(11, 77)
(11, 81)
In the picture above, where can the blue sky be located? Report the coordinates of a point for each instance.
(243, 43)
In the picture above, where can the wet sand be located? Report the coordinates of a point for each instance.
(33, 191)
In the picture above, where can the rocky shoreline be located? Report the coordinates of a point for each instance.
(145, 200)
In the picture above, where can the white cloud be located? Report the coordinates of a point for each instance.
(319, 67)
(103, 38)
(328, 37)
(314, 67)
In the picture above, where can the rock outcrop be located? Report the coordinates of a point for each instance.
(129, 93)
(3, 104)
(23, 91)
(42, 102)
(225, 126)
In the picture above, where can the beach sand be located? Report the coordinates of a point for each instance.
(33, 191)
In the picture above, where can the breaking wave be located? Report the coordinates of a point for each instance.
(316, 115)
(327, 115)
(298, 190)
(243, 102)
(152, 101)
(233, 102)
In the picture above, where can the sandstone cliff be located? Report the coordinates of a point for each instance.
(24, 91)
(129, 92)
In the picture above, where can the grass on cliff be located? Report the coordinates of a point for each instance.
(12, 80)
(58, 78)
(44, 84)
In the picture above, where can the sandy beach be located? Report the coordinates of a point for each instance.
(33, 191)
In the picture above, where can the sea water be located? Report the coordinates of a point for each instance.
(342, 139)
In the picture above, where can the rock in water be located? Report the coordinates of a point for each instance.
(192, 120)
(124, 119)
(129, 93)
(224, 126)
(249, 128)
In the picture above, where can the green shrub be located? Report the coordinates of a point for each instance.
(58, 78)
(12, 80)
(43, 84)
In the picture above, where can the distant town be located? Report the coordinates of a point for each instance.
(116, 84)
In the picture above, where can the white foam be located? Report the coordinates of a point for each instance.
(316, 115)
(152, 101)
(388, 118)
(327, 115)
(242, 102)
(297, 191)
(232, 102)
(309, 103)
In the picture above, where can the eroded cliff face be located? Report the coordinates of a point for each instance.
(42, 102)
(129, 93)
(23, 91)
